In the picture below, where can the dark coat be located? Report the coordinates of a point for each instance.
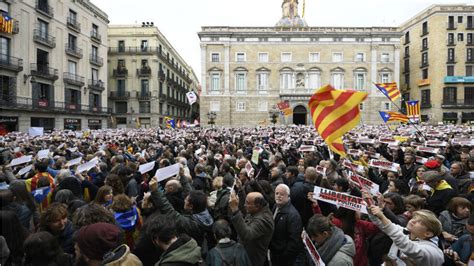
(438, 201)
(221, 207)
(286, 242)
(298, 195)
(233, 253)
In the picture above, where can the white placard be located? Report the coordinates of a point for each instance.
(145, 168)
(167, 172)
(43, 154)
(86, 166)
(21, 160)
(427, 149)
(340, 199)
(35, 131)
(25, 170)
(394, 167)
(74, 162)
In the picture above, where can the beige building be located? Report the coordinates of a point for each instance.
(148, 79)
(437, 62)
(246, 71)
(52, 67)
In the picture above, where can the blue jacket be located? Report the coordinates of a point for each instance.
(463, 247)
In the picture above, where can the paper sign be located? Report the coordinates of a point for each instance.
(421, 160)
(312, 250)
(436, 143)
(428, 150)
(394, 167)
(21, 160)
(350, 166)
(167, 172)
(354, 152)
(73, 149)
(25, 170)
(366, 141)
(35, 131)
(145, 168)
(74, 162)
(17, 149)
(374, 188)
(321, 170)
(86, 166)
(43, 154)
(373, 155)
(307, 148)
(255, 156)
(248, 167)
(340, 199)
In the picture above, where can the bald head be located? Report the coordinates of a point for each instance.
(255, 202)
(172, 186)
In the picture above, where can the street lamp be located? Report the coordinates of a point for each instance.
(212, 116)
(274, 113)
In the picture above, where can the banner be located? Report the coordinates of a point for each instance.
(192, 98)
(374, 188)
(385, 165)
(340, 199)
(35, 131)
(21, 160)
(306, 148)
(312, 250)
(436, 143)
(427, 149)
(167, 172)
(145, 168)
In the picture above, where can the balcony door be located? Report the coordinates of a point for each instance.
(72, 66)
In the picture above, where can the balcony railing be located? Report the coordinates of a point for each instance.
(144, 72)
(96, 84)
(96, 60)
(49, 105)
(120, 72)
(132, 50)
(73, 79)
(174, 66)
(425, 105)
(424, 32)
(143, 95)
(73, 24)
(44, 9)
(11, 63)
(44, 38)
(95, 36)
(161, 75)
(119, 95)
(458, 104)
(74, 107)
(43, 71)
(73, 50)
(162, 97)
(451, 25)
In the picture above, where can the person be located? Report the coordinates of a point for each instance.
(454, 218)
(334, 247)
(178, 249)
(128, 217)
(55, 221)
(412, 203)
(409, 167)
(174, 194)
(420, 246)
(255, 232)
(24, 205)
(441, 194)
(464, 246)
(104, 196)
(92, 213)
(14, 234)
(42, 248)
(227, 251)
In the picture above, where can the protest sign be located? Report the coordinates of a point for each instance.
(43, 154)
(428, 149)
(385, 165)
(167, 172)
(35, 131)
(355, 179)
(145, 168)
(86, 166)
(74, 162)
(307, 148)
(436, 143)
(312, 250)
(255, 156)
(340, 199)
(21, 160)
(421, 160)
(25, 170)
(366, 141)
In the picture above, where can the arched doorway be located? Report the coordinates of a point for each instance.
(299, 115)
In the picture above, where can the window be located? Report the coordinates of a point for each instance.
(240, 106)
(144, 45)
(337, 57)
(240, 57)
(450, 38)
(4, 48)
(451, 22)
(121, 107)
(121, 85)
(469, 95)
(469, 57)
(73, 96)
(95, 74)
(359, 81)
(385, 57)
(145, 86)
(469, 22)
(215, 82)
(72, 66)
(425, 97)
(459, 19)
(263, 57)
(337, 80)
(386, 106)
(314, 80)
(469, 71)
(43, 28)
(121, 46)
(95, 30)
(460, 37)
(425, 28)
(262, 81)
(450, 70)
(71, 42)
(451, 55)
(240, 82)
(286, 57)
(449, 95)
(360, 57)
(4, 7)
(72, 16)
(407, 79)
(424, 59)
(215, 106)
(286, 81)
(407, 37)
(469, 38)
(263, 106)
(144, 107)
(144, 63)
(95, 100)
(215, 57)
(424, 73)
(385, 77)
(424, 44)
(314, 57)
(121, 64)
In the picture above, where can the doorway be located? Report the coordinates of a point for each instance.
(299, 115)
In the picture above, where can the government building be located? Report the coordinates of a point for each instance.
(52, 68)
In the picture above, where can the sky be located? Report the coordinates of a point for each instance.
(180, 20)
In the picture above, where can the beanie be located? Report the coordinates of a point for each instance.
(97, 239)
(432, 164)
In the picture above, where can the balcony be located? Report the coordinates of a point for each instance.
(424, 48)
(97, 85)
(120, 72)
(44, 38)
(11, 63)
(73, 24)
(424, 33)
(425, 105)
(451, 26)
(96, 60)
(73, 51)
(132, 50)
(119, 95)
(424, 64)
(162, 97)
(73, 107)
(45, 9)
(458, 104)
(458, 79)
(143, 95)
(48, 105)
(144, 72)
(467, 116)
(470, 60)
(161, 75)
(95, 36)
(174, 67)
(73, 79)
(43, 71)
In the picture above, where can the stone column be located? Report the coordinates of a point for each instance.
(203, 69)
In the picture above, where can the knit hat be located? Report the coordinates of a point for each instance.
(97, 239)
(432, 164)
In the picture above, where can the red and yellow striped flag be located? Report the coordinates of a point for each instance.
(335, 112)
(413, 110)
(390, 90)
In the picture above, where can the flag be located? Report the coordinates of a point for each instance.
(285, 108)
(137, 123)
(192, 98)
(169, 122)
(178, 124)
(413, 110)
(335, 112)
(6, 23)
(41, 193)
(393, 116)
(390, 90)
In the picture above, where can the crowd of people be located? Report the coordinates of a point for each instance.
(240, 196)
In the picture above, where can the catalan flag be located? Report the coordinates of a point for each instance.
(169, 122)
(413, 110)
(390, 90)
(393, 116)
(285, 108)
(6, 23)
(335, 112)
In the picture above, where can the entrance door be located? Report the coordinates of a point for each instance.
(299, 115)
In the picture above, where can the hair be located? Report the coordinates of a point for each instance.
(285, 187)
(54, 212)
(221, 229)
(64, 196)
(14, 234)
(260, 201)
(318, 224)
(414, 200)
(293, 170)
(399, 206)
(342, 182)
(402, 187)
(431, 176)
(462, 166)
(101, 193)
(6, 197)
(456, 202)
(92, 213)
(199, 200)
(121, 203)
(115, 182)
(429, 220)
(42, 165)
(161, 227)
(43, 248)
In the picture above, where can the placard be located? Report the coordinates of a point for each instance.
(21, 160)
(394, 167)
(167, 172)
(312, 250)
(340, 199)
(145, 168)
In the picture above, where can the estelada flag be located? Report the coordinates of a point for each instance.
(335, 112)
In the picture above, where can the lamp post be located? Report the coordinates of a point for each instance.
(211, 116)
(274, 115)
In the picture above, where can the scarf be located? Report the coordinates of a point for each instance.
(442, 186)
(127, 220)
(332, 244)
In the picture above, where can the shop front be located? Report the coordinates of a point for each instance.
(8, 124)
(72, 124)
(94, 124)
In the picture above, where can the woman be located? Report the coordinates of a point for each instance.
(394, 203)
(417, 182)
(398, 186)
(14, 234)
(42, 248)
(104, 196)
(55, 221)
(24, 205)
(454, 219)
(128, 217)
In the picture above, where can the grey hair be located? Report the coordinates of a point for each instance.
(285, 187)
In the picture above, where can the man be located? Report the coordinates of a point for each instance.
(286, 243)
(298, 195)
(255, 232)
(174, 194)
(276, 177)
(441, 192)
(408, 167)
(465, 158)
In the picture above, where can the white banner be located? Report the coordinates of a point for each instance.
(35, 131)
(74, 162)
(192, 98)
(340, 199)
(394, 167)
(21, 160)
(145, 168)
(374, 188)
(43, 154)
(167, 172)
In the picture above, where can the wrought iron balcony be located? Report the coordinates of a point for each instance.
(425, 105)
(49, 105)
(162, 97)
(73, 24)
(11, 63)
(458, 104)
(44, 38)
(119, 95)
(73, 50)
(161, 75)
(132, 50)
(450, 116)
(43, 71)
(143, 95)
(96, 85)
(95, 36)
(120, 72)
(144, 72)
(73, 79)
(96, 60)
(44, 9)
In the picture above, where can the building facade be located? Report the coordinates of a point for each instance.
(437, 62)
(52, 67)
(246, 71)
(148, 79)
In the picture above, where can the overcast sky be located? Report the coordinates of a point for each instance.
(180, 20)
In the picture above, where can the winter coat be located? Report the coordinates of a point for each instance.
(451, 224)
(183, 252)
(221, 206)
(344, 255)
(463, 247)
(438, 201)
(228, 253)
(121, 256)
